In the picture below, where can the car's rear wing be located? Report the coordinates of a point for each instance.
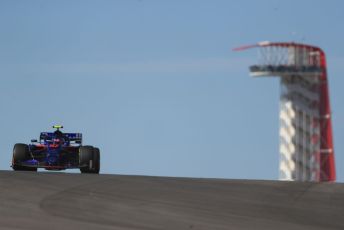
(76, 137)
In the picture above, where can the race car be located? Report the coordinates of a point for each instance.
(56, 151)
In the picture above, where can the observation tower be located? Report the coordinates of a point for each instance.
(306, 143)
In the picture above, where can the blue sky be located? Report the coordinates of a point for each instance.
(155, 84)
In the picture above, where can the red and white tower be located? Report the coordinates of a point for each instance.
(306, 145)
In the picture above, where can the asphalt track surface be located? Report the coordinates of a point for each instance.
(36, 201)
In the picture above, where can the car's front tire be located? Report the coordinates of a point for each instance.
(96, 158)
(88, 160)
(21, 153)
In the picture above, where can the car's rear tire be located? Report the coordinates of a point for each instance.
(87, 159)
(21, 153)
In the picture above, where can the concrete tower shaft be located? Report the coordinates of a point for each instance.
(306, 145)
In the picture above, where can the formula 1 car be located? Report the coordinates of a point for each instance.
(56, 151)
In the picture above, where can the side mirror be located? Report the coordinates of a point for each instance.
(34, 140)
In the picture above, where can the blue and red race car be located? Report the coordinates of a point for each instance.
(56, 151)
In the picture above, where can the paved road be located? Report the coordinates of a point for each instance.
(73, 201)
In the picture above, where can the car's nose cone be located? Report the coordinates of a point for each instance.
(52, 156)
(52, 159)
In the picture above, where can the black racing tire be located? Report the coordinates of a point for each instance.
(86, 159)
(96, 159)
(21, 153)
